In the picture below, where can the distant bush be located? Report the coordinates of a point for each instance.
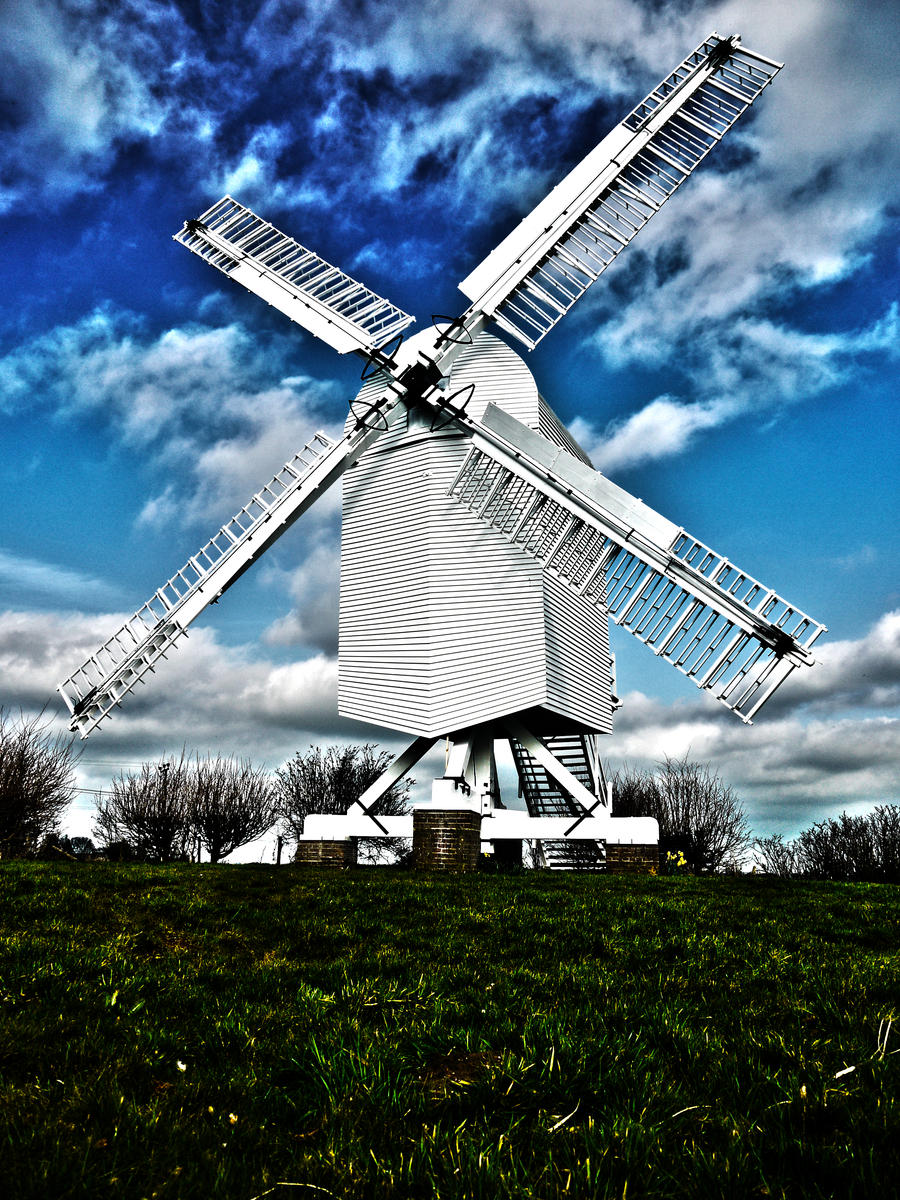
(699, 816)
(118, 852)
(230, 803)
(165, 809)
(59, 847)
(863, 848)
(149, 811)
(850, 848)
(775, 856)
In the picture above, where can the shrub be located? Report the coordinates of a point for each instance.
(149, 810)
(37, 779)
(699, 816)
(775, 856)
(859, 848)
(330, 782)
(230, 803)
(864, 848)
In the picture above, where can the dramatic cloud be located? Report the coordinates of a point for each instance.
(829, 739)
(208, 405)
(206, 695)
(798, 214)
(80, 83)
(314, 589)
(736, 368)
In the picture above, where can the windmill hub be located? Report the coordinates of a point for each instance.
(482, 557)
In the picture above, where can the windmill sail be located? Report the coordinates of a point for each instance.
(100, 683)
(306, 288)
(734, 637)
(550, 260)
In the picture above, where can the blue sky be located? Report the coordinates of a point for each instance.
(737, 367)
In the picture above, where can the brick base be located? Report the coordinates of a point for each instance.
(446, 839)
(631, 860)
(335, 856)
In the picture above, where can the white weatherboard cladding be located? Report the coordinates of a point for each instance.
(500, 377)
(579, 680)
(443, 623)
(441, 626)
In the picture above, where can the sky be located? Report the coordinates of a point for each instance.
(737, 367)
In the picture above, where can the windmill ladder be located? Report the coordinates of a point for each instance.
(544, 797)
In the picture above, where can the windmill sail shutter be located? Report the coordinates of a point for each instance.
(549, 261)
(733, 636)
(319, 297)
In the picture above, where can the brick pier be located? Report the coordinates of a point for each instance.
(631, 859)
(330, 855)
(446, 839)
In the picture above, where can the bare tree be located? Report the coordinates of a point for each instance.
(37, 781)
(775, 856)
(698, 814)
(329, 782)
(231, 803)
(150, 811)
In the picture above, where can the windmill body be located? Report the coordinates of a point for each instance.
(444, 624)
(482, 556)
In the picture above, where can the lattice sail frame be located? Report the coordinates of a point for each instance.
(334, 306)
(734, 637)
(532, 279)
(101, 682)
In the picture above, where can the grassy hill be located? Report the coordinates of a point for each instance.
(210, 1031)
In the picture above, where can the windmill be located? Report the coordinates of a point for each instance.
(481, 554)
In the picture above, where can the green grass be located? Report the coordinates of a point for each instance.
(379, 1034)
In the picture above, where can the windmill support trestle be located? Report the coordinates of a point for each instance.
(567, 816)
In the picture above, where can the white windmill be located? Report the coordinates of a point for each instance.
(481, 554)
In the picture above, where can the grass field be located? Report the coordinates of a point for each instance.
(210, 1031)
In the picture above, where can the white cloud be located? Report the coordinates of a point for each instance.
(664, 427)
(210, 407)
(861, 673)
(863, 556)
(75, 80)
(735, 368)
(207, 695)
(801, 213)
(37, 579)
(314, 588)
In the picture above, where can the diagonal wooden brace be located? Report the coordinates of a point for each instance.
(536, 748)
(390, 775)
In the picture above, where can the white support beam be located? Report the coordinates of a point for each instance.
(501, 823)
(484, 773)
(392, 774)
